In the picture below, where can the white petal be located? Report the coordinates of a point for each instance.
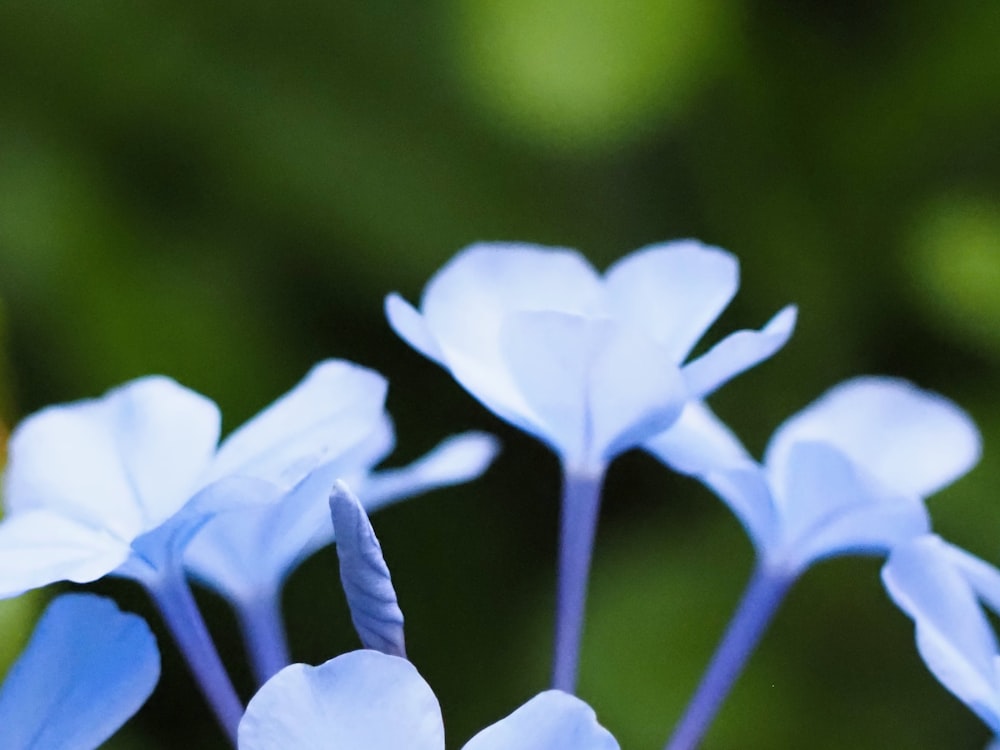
(738, 352)
(552, 720)
(125, 462)
(698, 442)
(87, 669)
(829, 508)
(912, 440)
(336, 406)
(673, 291)
(39, 547)
(954, 636)
(363, 700)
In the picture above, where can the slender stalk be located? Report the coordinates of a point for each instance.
(581, 503)
(761, 599)
(172, 596)
(264, 634)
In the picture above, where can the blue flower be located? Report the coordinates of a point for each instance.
(940, 586)
(87, 669)
(592, 365)
(847, 474)
(367, 700)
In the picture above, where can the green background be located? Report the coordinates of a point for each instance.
(224, 192)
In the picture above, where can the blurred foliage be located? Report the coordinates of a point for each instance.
(224, 192)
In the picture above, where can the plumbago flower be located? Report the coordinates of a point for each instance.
(247, 556)
(592, 365)
(87, 669)
(375, 699)
(944, 589)
(120, 484)
(846, 475)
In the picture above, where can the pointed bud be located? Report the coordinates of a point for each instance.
(365, 577)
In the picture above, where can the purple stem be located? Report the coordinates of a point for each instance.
(581, 502)
(761, 599)
(264, 634)
(172, 596)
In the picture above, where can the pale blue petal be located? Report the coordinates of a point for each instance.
(598, 388)
(698, 442)
(334, 408)
(410, 326)
(457, 459)
(738, 352)
(363, 700)
(87, 669)
(954, 637)
(164, 546)
(467, 300)
(39, 547)
(365, 577)
(124, 462)
(745, 490)
(912, 440)
(673, 291)
(552, 720)
(829, 508)
(242, 553)
(983, 577)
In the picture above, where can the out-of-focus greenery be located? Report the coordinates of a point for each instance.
(224, 193)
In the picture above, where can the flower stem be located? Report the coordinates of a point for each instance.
(264, 634)
(172, 596)
(761, 599)
(581, 502)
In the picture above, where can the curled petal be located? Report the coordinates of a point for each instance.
(954, 637)
(912, 440)
(410, 326)
(745, 490)
(336, 406)
(87, 669)
(738, 352)
(363, 700)
(457, 459)
(673, 291)
(371, 597)
(123, 462)
(552, 720)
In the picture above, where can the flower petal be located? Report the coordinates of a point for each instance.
(745, 490)
(457, 459)
(552, 720)
(954, 637)
(912, 440)
(39, 547)
(87, 669)
(673, 291)
(410, 326)
(831, 509)
(363, 700)
(124, 462)
(738, 352)
(336, 406)
(698, 442)
(367, 584)
(598, 388)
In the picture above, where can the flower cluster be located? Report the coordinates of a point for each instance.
(136, 484)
